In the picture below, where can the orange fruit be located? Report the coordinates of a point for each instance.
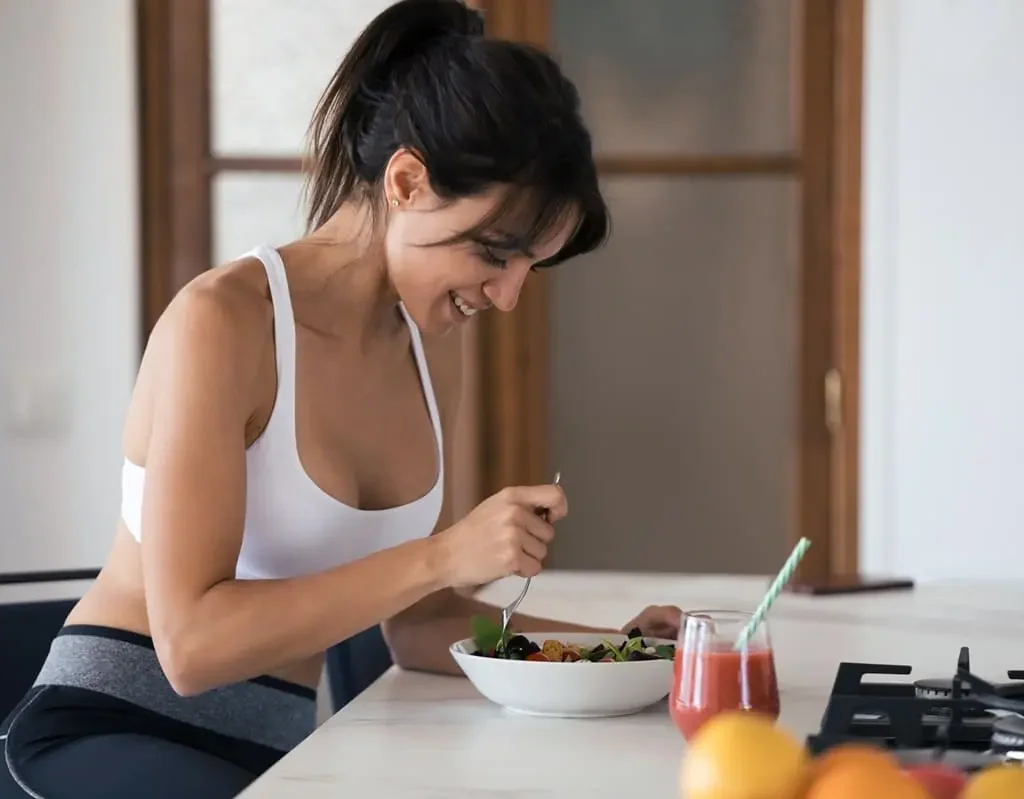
(864, 778)
(995, 782)
(854, 753)
(742, 755)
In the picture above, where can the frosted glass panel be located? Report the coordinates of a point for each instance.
(251, 209)
(674, 352)
(271, 61)
(681, 76)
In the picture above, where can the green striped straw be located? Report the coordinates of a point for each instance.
(783, 577)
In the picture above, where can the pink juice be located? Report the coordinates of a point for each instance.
(707, 682)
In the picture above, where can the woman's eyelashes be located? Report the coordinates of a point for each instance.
(491, 258)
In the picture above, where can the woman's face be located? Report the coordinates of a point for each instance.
(443, 286)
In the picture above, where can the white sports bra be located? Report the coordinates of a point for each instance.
(292, 526)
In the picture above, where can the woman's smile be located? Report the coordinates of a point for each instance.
(463, 306)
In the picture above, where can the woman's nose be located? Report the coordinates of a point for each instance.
(503, 291)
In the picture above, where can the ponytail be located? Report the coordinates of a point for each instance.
(342, 154)
(478, 112)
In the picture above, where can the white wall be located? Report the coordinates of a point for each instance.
(943, 335)
(69, 291)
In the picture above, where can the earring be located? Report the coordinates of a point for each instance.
(394, 202)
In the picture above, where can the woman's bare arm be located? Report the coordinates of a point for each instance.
(419, 636)
(210, 629)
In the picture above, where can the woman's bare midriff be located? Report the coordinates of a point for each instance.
(117, 599)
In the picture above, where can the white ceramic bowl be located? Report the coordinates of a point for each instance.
(567, 690)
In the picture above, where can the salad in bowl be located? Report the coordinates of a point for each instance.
(539, 673)
(489, 642)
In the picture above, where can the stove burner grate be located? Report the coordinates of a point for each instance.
(965, 718)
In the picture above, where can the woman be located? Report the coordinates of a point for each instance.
(286, 441)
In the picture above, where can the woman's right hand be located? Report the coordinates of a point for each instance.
(503, 535)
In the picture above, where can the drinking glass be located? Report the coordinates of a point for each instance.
(711, 676)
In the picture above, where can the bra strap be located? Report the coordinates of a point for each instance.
(428, 387)
(284, 336)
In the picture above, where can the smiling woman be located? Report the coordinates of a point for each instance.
(285, 484)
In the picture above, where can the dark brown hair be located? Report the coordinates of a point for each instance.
(478, 112)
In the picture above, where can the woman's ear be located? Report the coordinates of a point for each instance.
(406, 181)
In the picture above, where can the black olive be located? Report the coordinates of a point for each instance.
(635, 655)
(534, 647)
(636, 632)
(518, 647)
(597, 653)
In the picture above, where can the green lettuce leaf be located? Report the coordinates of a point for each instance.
(487, 633)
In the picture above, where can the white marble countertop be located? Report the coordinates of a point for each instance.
(416, 736)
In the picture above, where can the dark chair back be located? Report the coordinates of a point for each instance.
(26, 630)
(354, 664)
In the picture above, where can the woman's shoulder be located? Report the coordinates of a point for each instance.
(225, 311)
(211, 341)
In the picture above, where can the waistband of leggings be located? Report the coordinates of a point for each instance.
(123, 664)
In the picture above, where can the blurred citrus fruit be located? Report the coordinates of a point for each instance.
(995, 782)
(853, 753)
(863, 778)
(941, 781)
(742, 755)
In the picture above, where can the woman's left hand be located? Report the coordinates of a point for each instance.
(657, 621)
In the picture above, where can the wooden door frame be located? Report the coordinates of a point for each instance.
(847, 227)
(515, 416)
(503, 437)
(174, 136)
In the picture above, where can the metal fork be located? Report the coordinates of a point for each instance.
(507, 611)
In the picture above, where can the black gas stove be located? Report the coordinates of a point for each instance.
(963, 721)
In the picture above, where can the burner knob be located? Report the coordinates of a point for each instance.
(937, 688)
(1008, 737)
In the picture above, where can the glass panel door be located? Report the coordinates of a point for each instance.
(251, 208)
(270, 62)
(670, 77)
(674, 349)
